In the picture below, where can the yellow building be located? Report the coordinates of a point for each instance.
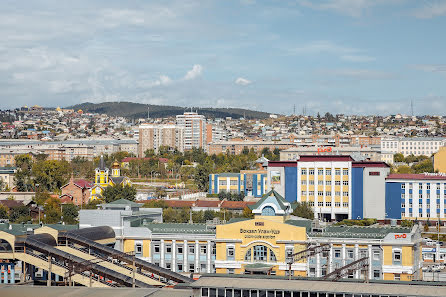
(440, 160)
(103, 178)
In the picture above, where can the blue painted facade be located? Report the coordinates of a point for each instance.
(393, 200)
(291, 184)
(357, 193)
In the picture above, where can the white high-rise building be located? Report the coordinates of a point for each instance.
(413, 146)
(153, 136)
(194, 126)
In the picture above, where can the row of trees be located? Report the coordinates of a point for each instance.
(413, 164)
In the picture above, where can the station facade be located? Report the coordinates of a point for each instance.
(249, 182)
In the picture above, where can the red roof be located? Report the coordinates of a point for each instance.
(422, 176)
(207, 203)
(235, 204)
(84, 183)
(128, 159)
(179, 203)
(369, 164)
(282, 164)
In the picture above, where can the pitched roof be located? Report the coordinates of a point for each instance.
(280, 200)
(117, 179)
(180, 228)
(235, 204)
(416, 176)
(207, 203)
(124, 202)
(11, 203)
(102, 163)
(84, 183)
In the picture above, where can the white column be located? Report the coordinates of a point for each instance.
(318, 265)
(185, 252)
(370, 261)
(162, 253)
(330, 263)
(197, 254)
(209, 253)
(228, 181)
(343, 255)
(357, 258)
(174, 256)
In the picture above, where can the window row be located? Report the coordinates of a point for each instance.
(321, 193)
(327, 182)
(311, 171)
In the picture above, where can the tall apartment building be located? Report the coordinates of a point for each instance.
(413, 146)
(194, 126)
(153, 136)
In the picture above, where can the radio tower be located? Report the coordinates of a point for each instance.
(148, 113)
(411, 106)
(294, 109)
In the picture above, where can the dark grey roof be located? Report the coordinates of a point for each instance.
(280, 200)
(102, 163)
(117, 179)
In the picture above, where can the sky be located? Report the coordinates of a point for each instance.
(340, 56)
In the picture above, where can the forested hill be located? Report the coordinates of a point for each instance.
(138, 110)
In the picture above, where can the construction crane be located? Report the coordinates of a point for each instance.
(312, 251)
(348, 269)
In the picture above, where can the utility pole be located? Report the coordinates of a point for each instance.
(411, 106)
(148, 113)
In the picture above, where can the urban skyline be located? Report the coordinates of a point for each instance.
(351, 57)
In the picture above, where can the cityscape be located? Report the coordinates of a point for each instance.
(140, 176)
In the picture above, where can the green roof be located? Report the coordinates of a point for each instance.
(358, 231)
(19, 229)
(180, 228)
(124, 202)
(229, 174)
(300, 223)
(280, 200)
(236, 220)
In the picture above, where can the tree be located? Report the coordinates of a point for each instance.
(155, 203)
(201, 177)
(22, 177)
(51, 174)
(404, 169)
(303, 210)
(247, 213)
(116, 192)
(52, 210)
(423, 166)
(70, 213)
(92, 204)
(20, 214)
(398, 157)
(208, 215)
(41, 197)
(4, 212)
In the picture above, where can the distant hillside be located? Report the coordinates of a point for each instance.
(138, 110)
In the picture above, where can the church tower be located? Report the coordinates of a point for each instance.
(116, 169)
(101, 173)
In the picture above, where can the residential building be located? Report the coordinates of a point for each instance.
(7, 175)
(153, 136)
(358, 153)
(416, 196)
(236, 147)
(413, 146)
(194, 126)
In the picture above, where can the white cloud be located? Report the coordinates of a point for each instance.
(353, 8)
(195, 72)
(357, 58)
(163, 80)
(364, 74)
(242, 81)
(323, 46)
(431, 67)
(431, 10)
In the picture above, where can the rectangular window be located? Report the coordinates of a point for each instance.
(345, 194)
(403, 186)
(397, 277)
(337, 193)
(344, 204)
(350, 254)
(337, 182)
(320, 193)
(327, 171)
(304, 193)
(191, 249)
(344, 171)
(230, 252)
(304, 182)
(337, 253)
(311, 182)
(311, 203)
(403, 205)
(428, 186)
(311, 193)
(320, 182)
(328, 203)
(376, 255)
(233, 182)
(328, 193)
(345, 182)
(138, 249)
(203, 249)
(337, 171)
(337, 204)
(192, 267)
(403, 196)
(304, 171)
(320, 204)
(328, 182)
(179, 267)
(179, 249)
(156, 248)
(320, 171)
(222, 182)
(311, 171)
(376, 274)
(396, 256)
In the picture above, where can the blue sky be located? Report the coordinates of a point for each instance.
(341, 56)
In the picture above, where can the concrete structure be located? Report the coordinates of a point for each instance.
(194, 126)
(358, 153)
(413, 146)
(248, 182)
(153, 136)
(440, 160)
(76, 191)
(335, 186)
(416, 196)
(7, 175)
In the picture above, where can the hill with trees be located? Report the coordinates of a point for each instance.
(138, 110)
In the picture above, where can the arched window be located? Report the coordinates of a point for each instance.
(268, 211)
